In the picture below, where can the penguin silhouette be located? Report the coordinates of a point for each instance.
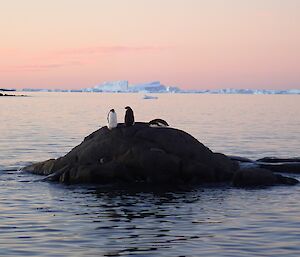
(158, 123)
(129, 117)
(112, 119)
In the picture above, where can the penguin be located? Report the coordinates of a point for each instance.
(129, 117)
(112, 119)
(158, 123)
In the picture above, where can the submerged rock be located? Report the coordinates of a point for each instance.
(260, 177)
(283, 165)
(278, 160)
(143, 154)
(240, 159)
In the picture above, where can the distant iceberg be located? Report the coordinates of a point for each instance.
(151, 87)
(111, 86)
(122, 86)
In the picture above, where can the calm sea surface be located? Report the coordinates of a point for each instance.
(49, 219)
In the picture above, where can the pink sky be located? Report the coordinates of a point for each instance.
(195, 44)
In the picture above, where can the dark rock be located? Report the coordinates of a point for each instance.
(282, 167)
(138, 153)
(286, 180)
(239, 158)
(259, 177)
(277, 160)
(141, 154)
(289, 165)
(224, 169)
(42, 168)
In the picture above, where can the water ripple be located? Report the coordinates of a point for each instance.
(49, 219)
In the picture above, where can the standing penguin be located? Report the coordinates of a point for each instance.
(129, 117)
(112, 119)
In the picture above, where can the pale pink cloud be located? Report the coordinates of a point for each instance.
(111, 50)
(39, 67)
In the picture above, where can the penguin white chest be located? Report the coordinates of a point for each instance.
(112, 120)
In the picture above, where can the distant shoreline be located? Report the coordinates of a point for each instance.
(204, 92)
(160, 89)
(7, 90)
(13, 95)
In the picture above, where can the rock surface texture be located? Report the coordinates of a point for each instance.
(143, 154)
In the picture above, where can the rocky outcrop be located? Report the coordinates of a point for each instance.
(260, 177)
(282, 165)
(144, 154)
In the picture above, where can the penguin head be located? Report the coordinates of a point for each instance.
(127, 108)
(112, 110)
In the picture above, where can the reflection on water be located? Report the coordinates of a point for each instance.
(46, 219)
(49, 219)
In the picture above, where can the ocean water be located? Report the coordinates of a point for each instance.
(50, 219)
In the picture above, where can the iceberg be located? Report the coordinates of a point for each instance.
(151, 87)
(112, 86)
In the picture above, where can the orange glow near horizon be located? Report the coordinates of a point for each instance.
(187, 43)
